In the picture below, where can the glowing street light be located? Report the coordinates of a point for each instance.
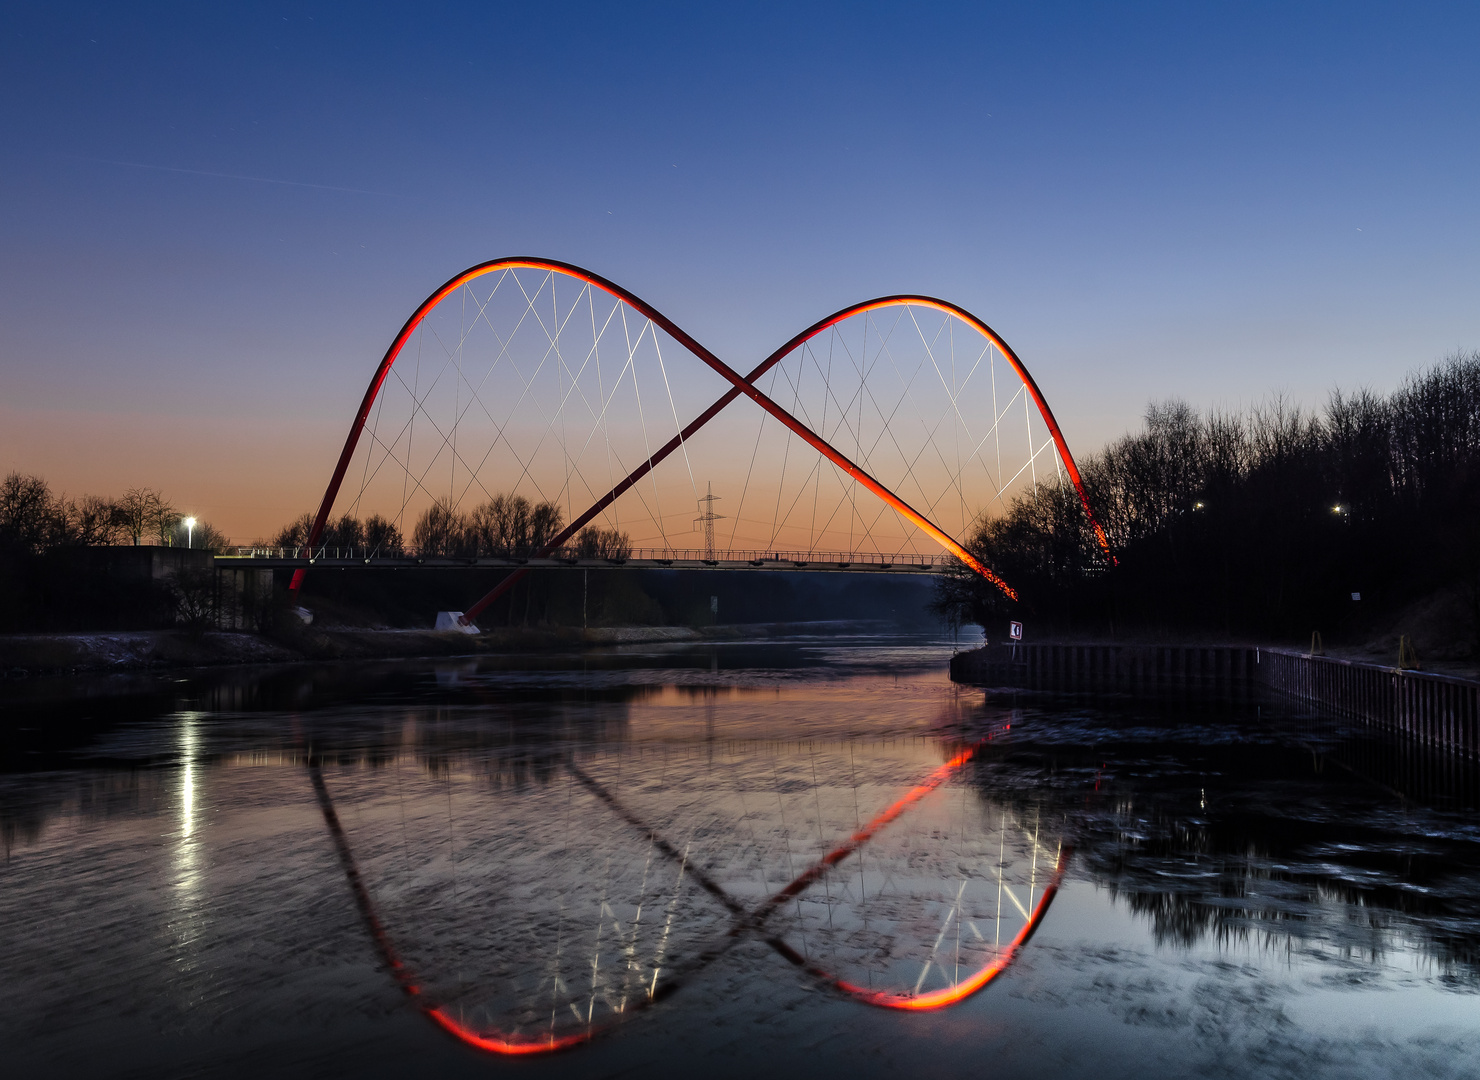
(189, 532)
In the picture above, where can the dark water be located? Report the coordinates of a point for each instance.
(733, 860)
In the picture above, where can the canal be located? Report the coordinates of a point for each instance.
(780, 857)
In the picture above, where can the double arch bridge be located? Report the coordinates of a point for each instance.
(879, 435)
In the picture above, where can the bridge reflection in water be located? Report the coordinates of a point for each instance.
(546, 848)
(526, 909)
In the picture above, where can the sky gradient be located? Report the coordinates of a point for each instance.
(213, 220)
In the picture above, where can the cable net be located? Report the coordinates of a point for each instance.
(921, 400)
(531, 391)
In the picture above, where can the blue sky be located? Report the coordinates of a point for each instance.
(213, 219)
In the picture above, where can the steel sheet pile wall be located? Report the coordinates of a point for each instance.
(1213, 670)
(1436, 710)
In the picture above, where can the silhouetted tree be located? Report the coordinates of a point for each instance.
(381, 536)
(204, 537)
(439, 530)
(193, 591)
(33, 519)
(295, 533)
(28, 514)
(509, 526)
(594, 542)
(144, 512)
(1263, 522)
(347, 532)
(94, 521)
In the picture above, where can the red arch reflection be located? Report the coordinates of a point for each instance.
(745, 922)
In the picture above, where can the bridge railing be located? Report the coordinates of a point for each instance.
(755, 557)
(759, 557)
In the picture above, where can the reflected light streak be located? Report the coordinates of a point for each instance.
(188, 741)
(187, 861)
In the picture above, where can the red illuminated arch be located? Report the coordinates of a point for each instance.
(738, 385)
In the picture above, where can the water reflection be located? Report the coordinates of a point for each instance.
(1281, 830)
(541, 855)
(619, 869)
(187, 860)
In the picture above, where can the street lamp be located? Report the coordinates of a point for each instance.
(189, 532)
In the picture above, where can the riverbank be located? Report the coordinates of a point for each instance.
(40, 655)
(1438, 710)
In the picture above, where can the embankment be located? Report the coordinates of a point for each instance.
(32, 655)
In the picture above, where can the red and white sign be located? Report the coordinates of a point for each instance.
(1015, 631)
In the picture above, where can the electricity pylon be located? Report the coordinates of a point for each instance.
(708, 518)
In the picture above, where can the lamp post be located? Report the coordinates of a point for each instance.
(189, 532)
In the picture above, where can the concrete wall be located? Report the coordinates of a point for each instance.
(135, 563)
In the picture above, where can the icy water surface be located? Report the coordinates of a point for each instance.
(767, 858)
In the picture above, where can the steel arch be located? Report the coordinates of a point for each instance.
(739, 385)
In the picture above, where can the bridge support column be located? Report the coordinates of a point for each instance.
(452, 620)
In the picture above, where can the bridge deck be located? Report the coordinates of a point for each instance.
(912, 564)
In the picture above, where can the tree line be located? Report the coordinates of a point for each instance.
(1277, 520)
(49, 580)
(34, 519)
(505, 526)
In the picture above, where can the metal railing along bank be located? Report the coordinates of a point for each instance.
(1436, 710)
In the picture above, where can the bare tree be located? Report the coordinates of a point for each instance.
(439, 530)
(94, 521)
(509, 526)
(347, 532)
(193, 590)
(295, 533)
(143, 512)
(594, 542)
(203, 537)
(545, 522)
(166, 520)
(382, 537)
(28, 515)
